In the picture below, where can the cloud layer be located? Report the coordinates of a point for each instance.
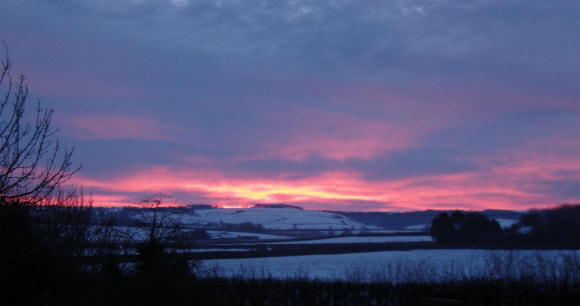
(381, 105)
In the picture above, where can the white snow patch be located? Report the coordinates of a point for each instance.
(505, 223)
(417, 227)
(215, 250)
(233, 235)
(356, 239)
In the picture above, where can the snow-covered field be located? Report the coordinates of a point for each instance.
(403, 266)
(213, 250)
(356, 239)
(390, 231)
(135, 234)
(417, 227)
(233, 235)
(133, 251)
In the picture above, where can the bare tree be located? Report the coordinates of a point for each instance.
(159, 220)
(154, 256)
(32, 162)
(153, 206)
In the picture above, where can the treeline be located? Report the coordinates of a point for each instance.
(237, 227)
(462, 227)
(559, 226)
(398, 220)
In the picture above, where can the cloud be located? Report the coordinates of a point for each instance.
(415, 162)
(387, 105)
(74, 85)
(117, 127)
(342, 35)
(501, 188)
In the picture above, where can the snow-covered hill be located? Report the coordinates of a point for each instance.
(272, 218)
(287, 218)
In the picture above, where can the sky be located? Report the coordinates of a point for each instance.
(328, 104)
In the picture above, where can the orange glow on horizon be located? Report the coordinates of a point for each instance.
(494, 188)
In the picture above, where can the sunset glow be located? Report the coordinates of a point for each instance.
(335, 105)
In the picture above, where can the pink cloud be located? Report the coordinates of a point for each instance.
(113, 200)
(500, 188)
(338, 136)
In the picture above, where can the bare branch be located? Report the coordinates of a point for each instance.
(33, 164)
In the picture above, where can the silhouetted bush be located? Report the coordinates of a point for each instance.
(40, 247)
(463, 227)
(241, 227)
(558, 225)
(154, 261)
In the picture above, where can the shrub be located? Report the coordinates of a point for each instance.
(464, 227)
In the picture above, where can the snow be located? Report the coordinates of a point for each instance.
(391, 231)
(364, 239)
(505, 223)
(214, 250)
(129, 233)
(275, 218)
(133, 251)
(400, 266)
(232, 235)
(417, 227)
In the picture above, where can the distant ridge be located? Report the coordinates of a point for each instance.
(277, 206)
(201, 206)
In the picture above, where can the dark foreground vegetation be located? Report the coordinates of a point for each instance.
(43, 245)
(96, 289)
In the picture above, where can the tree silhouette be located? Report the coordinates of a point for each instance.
(33, 164)
(153, 257)
(464, 227)
(42, 226)
(556, 225)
